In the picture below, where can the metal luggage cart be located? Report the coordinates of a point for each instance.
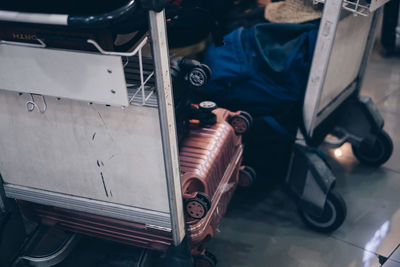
(333, 106)
(108, 124)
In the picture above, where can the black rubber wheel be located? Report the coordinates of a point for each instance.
(196, 208)
(207, 106)
(331, 218)
(377, 154)
(248, 116)
(205, 198)
(197, 77)
(206, 260)
(207, 70)
(247, 176)
(240, 124)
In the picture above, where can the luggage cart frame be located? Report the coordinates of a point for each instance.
(332, 105)
(173, 221)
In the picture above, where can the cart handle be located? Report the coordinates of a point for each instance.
(102, 20)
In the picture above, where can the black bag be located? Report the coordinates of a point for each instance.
(391, 23)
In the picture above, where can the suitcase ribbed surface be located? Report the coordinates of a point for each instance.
(205, 155)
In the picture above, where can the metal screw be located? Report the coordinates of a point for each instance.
(109, 70)
(113, 91)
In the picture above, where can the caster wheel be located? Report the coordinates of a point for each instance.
(331, 218)
(377, 154)
(248, 116)
(240, 124)
(206, 260)
(198, 207)
(247, 176)
(207, 106)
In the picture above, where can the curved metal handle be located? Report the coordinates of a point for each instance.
(94, 21)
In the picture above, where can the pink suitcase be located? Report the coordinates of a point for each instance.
(210, 160)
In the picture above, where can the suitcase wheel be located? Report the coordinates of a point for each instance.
(206, 260)
(248, 116)
(376, 154)
(198, 207)
(247, 176)
(197, 77)
(207, 106)
(332, 216)
(240, 124)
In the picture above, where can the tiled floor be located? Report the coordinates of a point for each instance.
(263, 229)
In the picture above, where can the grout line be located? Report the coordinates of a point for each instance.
(354, 245)
(390, 169)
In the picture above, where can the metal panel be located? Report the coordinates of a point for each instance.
(82, 76)
(339, 54)
(138, 215)
(167, 122)
(346, 56)
(91, 151)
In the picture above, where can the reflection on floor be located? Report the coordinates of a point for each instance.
(264, 230)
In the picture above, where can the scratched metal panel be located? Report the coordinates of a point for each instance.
(81, 76)
(102, 153)
(346, 56)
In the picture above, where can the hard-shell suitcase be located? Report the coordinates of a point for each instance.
(210, 159)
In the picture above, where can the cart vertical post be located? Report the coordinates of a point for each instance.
(319, 68)
(167, 122)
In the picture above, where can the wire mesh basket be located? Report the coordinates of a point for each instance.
(359, 7)
(139, 74)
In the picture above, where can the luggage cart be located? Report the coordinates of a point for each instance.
(105, 108)
(333, 105)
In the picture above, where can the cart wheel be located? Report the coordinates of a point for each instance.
(376, 154)
(247, 176)
(207, 106)
(331, 218)
(206, 260)
(248, 116)
(240, 124)
(198, 206)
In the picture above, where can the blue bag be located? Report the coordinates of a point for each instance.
(263, 68)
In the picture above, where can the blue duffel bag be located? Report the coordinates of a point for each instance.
(263, 68)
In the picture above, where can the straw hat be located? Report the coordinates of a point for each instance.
(292, 11)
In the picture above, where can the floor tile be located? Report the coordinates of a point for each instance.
(395, 256)
(382, 77)
(271, 234)
(372, 197)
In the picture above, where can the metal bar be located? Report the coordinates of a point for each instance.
(36, 18)
(117, 211)
(52, 259)
(122, 54)
(368, 48)
(41, 44)
(167, 122)
(326, 38)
